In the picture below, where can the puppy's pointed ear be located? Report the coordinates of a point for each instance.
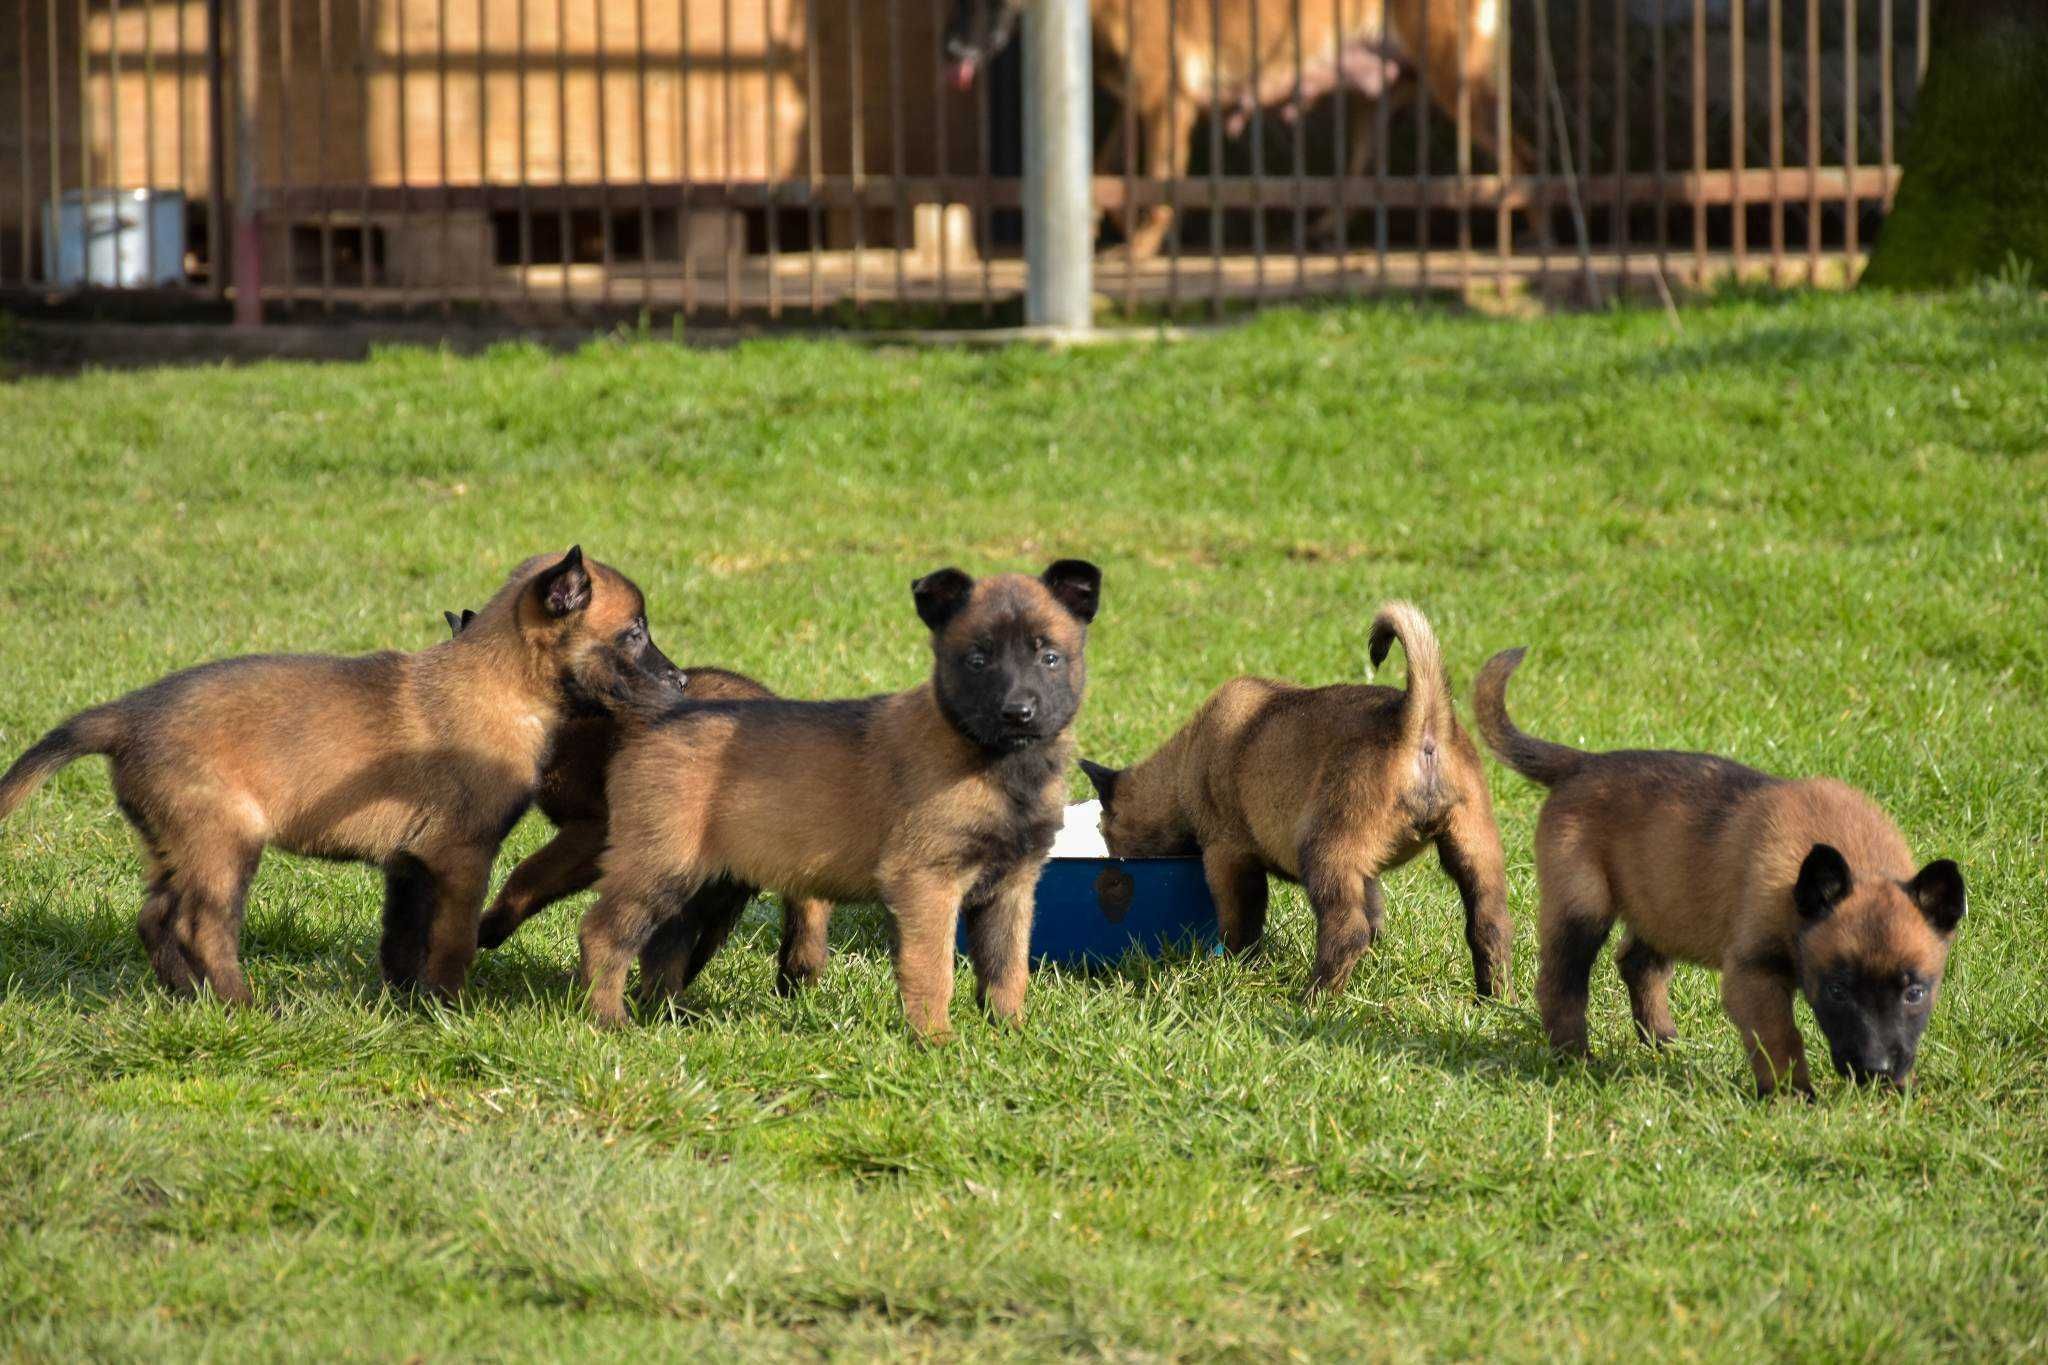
(1104, 780)
(1938, 891)
(1077, 585)
(940, 594)
(468, 615)
(564, 588)
(1823, 881)
(455, 623)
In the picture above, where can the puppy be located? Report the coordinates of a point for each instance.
(419, 763)
(1784, 885)
(571, 795)
(1329, 787)
(938, 801)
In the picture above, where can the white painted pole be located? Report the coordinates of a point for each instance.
(1059, 203)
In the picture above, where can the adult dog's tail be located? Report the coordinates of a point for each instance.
(1426, 707)
(1536, 759)
(95, 731)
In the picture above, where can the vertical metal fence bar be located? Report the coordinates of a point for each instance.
(1340, 154)
(894, 23)
(525, 168)
(1300, 126)
(1504, 139)
(683, 70)
(1173, 98)
(986, 212)
(1920, 42)
(942, 165)
(1620, 153)
(216, 139)
(286, 15)
(1813, 142)
(1738, 134)
(1776, 25)
(564, 222)
(1129, 115)
(641, 131)
(365, 49)
(1851, 111)
(487, 258)
(28, 162)
(444, 285)
(1462, 150)
(115, 167)
(148, 137)
(326, 117)
(1059, 163)
(1699, 142)
(1258, 131)
(815, 145)
(1216, 158)
(601, 78)
(399, 74)
(1582, 71)
(248, 211)
(56, 143)
(1383, 136)
(1540, 213)
(84, 134)
(769, 161)
(1422, 161)
(859, 136)
(1660, 145)
(1885, 95)
(184, 90)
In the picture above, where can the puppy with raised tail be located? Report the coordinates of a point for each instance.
(1785, 886)
(1330, 787)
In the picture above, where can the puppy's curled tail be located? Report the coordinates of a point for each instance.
(89, 732)
(1536, 759)
(1428, 699)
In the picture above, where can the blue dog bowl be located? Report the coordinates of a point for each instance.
(1095, 910)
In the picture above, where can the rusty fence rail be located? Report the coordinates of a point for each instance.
(849, 159)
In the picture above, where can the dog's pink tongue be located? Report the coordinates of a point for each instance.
(963, 74)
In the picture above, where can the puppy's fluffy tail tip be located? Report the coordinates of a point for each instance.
(89, 732)
(1539, 760)
(1429, 694)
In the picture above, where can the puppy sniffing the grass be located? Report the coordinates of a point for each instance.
(571, 795)
(1786, 886)
(939, 801)
(1329, 787)
(417, 762)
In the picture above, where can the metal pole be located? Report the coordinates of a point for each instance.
(1059, 206)
(248, 253)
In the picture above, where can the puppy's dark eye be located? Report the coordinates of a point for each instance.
(1914, 994)
(1051, 658)
(1837, 992)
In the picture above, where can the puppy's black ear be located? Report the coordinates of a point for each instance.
(1077, 585)
(564, 588)
(1823, 881)
(940, 594)
(1104, 780)
(468, 615)
(1938, 891)
(455, 623)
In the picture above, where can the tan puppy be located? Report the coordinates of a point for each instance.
(1784, 885)
(571, 794)
(1329, 787)
(939, 801)
(417, 762)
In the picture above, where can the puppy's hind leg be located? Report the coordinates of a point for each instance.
(801, 960)
(158, 928)
(687, 937)
(1469, 850)
(1647, 974)
(408, 916)
(211, 896)
(566, 865)
(1575, 920)
(614, 930)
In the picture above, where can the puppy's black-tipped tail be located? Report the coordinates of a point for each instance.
(1426, 708)
(89, 732)
(1536, 759)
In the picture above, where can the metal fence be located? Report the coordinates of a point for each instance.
(763, 158)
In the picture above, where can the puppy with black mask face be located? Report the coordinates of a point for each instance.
(1786, 886)
(939, 801)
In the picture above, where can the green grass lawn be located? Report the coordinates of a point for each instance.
(1809, 534)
